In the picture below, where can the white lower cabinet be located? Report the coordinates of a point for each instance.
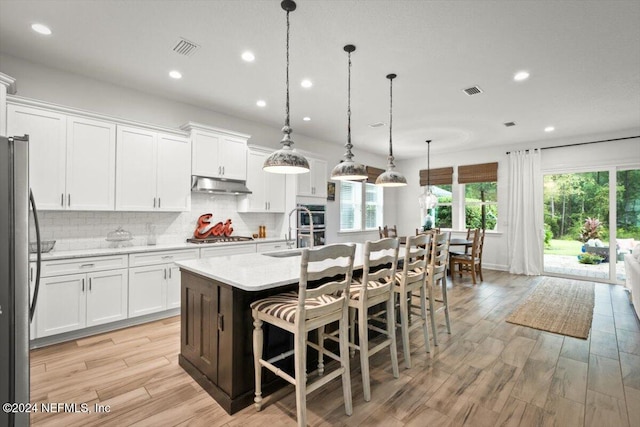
(234, 249)
(74, 301)
(154, 281)
(273, 246)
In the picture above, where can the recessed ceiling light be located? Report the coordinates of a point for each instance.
(520, 76)
(248, 56)
(549, 129)
(261, 103)
(306, 83)
(306, 119)
(175, 74)
(41, 29)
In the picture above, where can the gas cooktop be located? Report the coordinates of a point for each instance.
(217, 239)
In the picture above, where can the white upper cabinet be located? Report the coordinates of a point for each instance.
(153, 171)
(71, 159)
(91, 164)
(174, 173)
(314, 183)
(268, 189)
(217, 153)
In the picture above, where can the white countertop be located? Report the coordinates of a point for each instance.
(81, 253)
(256, 272)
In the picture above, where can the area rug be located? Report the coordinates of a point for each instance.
(556, 305)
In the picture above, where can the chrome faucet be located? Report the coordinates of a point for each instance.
(297, 229)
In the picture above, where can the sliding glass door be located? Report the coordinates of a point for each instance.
(591, 220)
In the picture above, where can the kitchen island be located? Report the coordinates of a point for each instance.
(217, 327)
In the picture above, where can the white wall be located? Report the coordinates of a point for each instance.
(619, 153)
(76, 91)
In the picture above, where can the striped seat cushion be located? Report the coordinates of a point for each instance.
(283, 306)
(372, 286)
(411, 273)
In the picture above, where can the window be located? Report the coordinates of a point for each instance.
(480, 195)
(353, 197)
(440, 180)
(481, 205)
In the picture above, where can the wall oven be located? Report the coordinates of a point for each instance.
(318, 218)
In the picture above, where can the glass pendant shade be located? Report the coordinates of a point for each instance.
(391, 178)
(348, 170)
(286, 160)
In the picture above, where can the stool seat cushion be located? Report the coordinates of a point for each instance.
(283, 306)
(372, 286)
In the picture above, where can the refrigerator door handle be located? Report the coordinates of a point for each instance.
(36, 288)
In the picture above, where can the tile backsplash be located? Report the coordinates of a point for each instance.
(88, 230)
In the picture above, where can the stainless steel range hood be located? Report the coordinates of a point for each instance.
(203, 184)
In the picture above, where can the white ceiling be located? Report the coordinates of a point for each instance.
(583, 56)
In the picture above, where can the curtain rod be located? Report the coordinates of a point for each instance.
(585, 143)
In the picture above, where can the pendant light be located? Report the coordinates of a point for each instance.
(391, 178)
(286, 160)
(348, 169)
(428, 200)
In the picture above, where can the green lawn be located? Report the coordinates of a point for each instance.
(564, 247)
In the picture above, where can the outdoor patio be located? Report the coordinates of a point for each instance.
(569, 265)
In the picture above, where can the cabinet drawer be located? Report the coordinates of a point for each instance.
(83, 265)
(272, 246)
(228, 250)
(161, 257)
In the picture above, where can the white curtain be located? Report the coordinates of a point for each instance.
(525, 236)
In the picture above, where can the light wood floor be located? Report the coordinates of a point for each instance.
(486, 373)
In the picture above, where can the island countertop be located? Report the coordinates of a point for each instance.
(256, 272)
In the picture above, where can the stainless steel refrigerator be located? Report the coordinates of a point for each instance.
(16, 304)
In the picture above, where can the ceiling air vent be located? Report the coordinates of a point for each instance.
(185, 47)
(474, 90)
(509, 124)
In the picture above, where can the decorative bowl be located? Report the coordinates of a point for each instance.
(46, 246)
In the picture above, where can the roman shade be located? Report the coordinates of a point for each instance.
(485, 172)
(373, 173)
(440, 176)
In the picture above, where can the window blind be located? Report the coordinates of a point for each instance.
(440, 176)
(485, 172)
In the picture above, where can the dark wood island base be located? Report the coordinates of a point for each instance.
(216, 340)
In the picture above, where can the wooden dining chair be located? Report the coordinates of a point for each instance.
(471, 263)
(437, 282)
(387, 231)
(373, 288)
(429, 231)
(306, 310)
(413, 278)
(471, 232)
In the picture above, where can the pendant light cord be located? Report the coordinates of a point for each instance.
(390, 119)
(286, 119)
(349, 146)
(429, 165)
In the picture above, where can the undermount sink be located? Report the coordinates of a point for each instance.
(284, 254)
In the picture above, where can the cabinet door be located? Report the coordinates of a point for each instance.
(91, 164)
(319, 178)
(136, 172)
(106, 296)
(256, 179)
(174, 173)
(235, 249)
(173, 286)
(233, 158)
(61, 304)
(275, 190)
(147, 290)
(47, 141)
(204, 159)
(305, 182)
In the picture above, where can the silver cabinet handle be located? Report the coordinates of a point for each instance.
(61, 199)
(159, 201)
(69, 199)
(87, 265)
(89, 283)
(223, 170)
(169, 273)
(165, 273)
(167, 257)
(82, 285)
(219, 170)
(154, 202)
